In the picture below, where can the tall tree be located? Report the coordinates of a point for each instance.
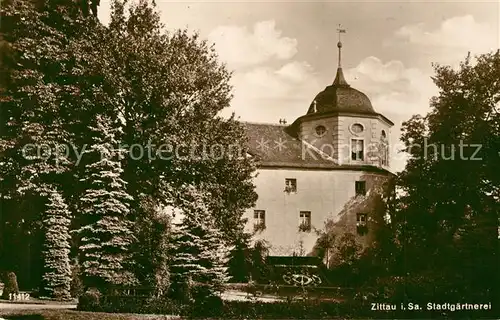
(57, 274)
(198, 258)
(39, 93)
(106, 233)
(450, 205)
(171, 88)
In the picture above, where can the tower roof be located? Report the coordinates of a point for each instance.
(339, 96)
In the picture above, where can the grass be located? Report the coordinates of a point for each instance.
(76, 315)
(39, 301)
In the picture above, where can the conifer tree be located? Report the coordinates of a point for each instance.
(200, 256)
(57, 274)
(106, 229)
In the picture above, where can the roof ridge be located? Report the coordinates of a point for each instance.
(264, 123)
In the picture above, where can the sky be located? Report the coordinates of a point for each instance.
(282, 53)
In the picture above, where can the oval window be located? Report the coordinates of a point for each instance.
(320, 130)
(383, 134)
(357, 128)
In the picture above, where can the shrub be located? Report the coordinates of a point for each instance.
(10, 285)
(161, 305)
(214, 307)
(211, 306)
(90, 300)
(419, 287)
(283, 309)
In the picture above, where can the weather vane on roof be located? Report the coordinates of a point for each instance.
(339, 44)
(340, 30)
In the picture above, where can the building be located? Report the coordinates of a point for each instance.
(322, 173)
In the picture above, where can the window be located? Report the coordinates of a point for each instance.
(384, 154)
(320, 130)
(361, 223)
(361, 218)
(357, 128)
(259, 220)
(305, 221)
(360, 187)
(290, 185)
(357, 150)
(384, 149)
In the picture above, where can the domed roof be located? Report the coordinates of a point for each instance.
(341, 97)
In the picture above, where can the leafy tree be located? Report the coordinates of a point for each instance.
(448, 214)
(348, 250)
(70, 81)
(171, 88)
(39, 90)
(324, 245)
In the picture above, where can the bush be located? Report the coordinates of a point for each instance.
(432, 286)
(90, 300)
(211, 306)
(10, 285)
(311, 309)
(93, 300)
(162, 305)
(214, 307)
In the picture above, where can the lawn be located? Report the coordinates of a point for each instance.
(76, 315)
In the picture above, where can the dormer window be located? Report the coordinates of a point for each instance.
(320, 131)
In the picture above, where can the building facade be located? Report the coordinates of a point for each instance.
(327, 172)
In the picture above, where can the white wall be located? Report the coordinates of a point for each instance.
(336, 142)
(324, 193)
